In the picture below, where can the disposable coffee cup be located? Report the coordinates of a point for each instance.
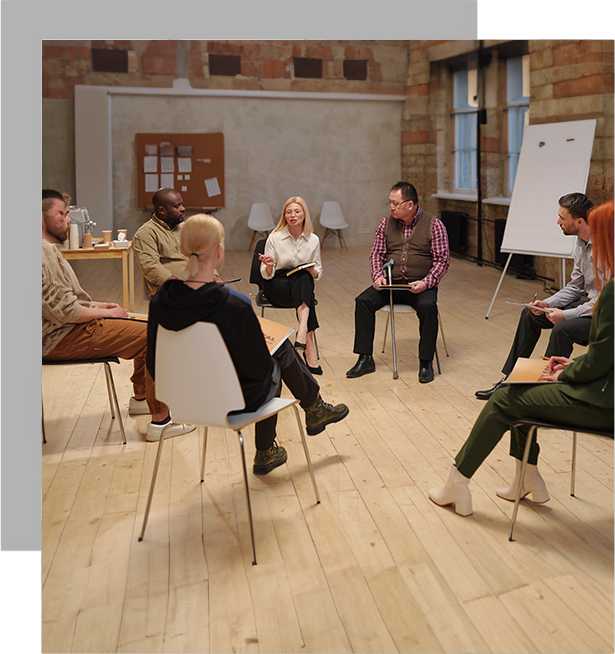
(87, 240)
(106, 236)
(119, 234)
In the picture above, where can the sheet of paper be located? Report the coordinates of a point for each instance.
(186, 177)
(167, 164)
(531, 306)
(184, 189)
(151, 150)
(184, 150)
(167, 181)
(184, 165)
(151, 183)
(180, 178)
(166, 149)
(150, 164)
(212, 186)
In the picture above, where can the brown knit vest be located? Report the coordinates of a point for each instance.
(412, 256)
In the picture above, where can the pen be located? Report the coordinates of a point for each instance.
(545, 358)
(535, 296)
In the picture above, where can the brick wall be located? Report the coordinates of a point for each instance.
(569, 80)
(265, 65)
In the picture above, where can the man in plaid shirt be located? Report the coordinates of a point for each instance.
(416, 244)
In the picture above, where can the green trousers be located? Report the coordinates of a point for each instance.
(511, 403)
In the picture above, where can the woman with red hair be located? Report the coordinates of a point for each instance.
(583, 398)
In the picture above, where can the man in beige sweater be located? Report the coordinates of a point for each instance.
(76, 327)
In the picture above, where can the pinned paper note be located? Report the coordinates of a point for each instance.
(212, 187)
(151, 150)
(184, 165)
(167, 164)
(150, 164)
(151, 183)
(167, 181)
(184, 189)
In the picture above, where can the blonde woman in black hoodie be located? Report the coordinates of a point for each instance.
(180, 304)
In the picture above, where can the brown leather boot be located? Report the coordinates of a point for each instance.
(266, 460)
(321, 414)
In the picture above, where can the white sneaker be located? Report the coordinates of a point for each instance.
(176, 429)
(138, 407)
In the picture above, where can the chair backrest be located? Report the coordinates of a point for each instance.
(255, 270)
(331, 216)
(260, 218)
(195, 375)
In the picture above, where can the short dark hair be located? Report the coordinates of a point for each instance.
(408, 192)
(48, 196)
(578, 204)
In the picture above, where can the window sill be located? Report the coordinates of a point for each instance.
(442, 195)
(505, 202)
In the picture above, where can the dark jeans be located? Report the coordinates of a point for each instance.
(425, 305)
(300, 383)
(563, 337)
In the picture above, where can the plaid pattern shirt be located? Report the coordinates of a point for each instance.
(439, 250)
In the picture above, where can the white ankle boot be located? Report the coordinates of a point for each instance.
(455, 492)
(533, 483)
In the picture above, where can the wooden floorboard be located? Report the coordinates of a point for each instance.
(375, 567)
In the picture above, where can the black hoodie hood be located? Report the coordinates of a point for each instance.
(179, 306)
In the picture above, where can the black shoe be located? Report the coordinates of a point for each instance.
(485, 395)
(364, 365)
(426, 372)
(321, 414)
(300, 346)
(314, 371)
(266, 460)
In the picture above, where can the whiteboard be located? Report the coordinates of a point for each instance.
(554, 161)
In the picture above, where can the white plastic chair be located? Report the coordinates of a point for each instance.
(405, 308)
(195, 375)
(332, 219)
(260, 221)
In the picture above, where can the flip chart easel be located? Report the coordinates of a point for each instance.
(554, 160)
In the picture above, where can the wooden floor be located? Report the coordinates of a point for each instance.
(376, 567)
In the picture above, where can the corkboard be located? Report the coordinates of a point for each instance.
(156, 154)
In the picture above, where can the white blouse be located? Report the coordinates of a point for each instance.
(290, 253)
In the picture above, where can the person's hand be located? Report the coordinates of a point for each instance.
(381, 281)
(418, 287)
(312, 270)
(116, 311)
(266, 259)
(217, 279)
(556, 315)
(555, 366)
(538, 303)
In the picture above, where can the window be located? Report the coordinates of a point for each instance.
(229, 65)
(465, 107)
(109, 61)
(305, 67)
(517, 97)
(355, 69)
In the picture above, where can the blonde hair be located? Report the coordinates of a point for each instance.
(307, 224)
(199, 239)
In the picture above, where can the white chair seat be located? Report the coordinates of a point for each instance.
(332, 219)
(260, 221)
(196, 377)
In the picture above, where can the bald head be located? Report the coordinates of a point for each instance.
(169, 206)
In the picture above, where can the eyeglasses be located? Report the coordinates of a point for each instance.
(394, 205)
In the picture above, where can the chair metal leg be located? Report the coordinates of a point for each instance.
(204, 453)
(526, 454)
(316, 345)
(307, 453)
(574, 462)
(154, 475)
(384, 342)
(438, 361)
(245, 479)
(113, 400)
(395, 373)
(442, 332)
(43, 421)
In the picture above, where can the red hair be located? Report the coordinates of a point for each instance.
(600, 221)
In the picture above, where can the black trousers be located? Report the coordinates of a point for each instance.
(300, 383)
(293, 291)
(563, 336)
(425, 305)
